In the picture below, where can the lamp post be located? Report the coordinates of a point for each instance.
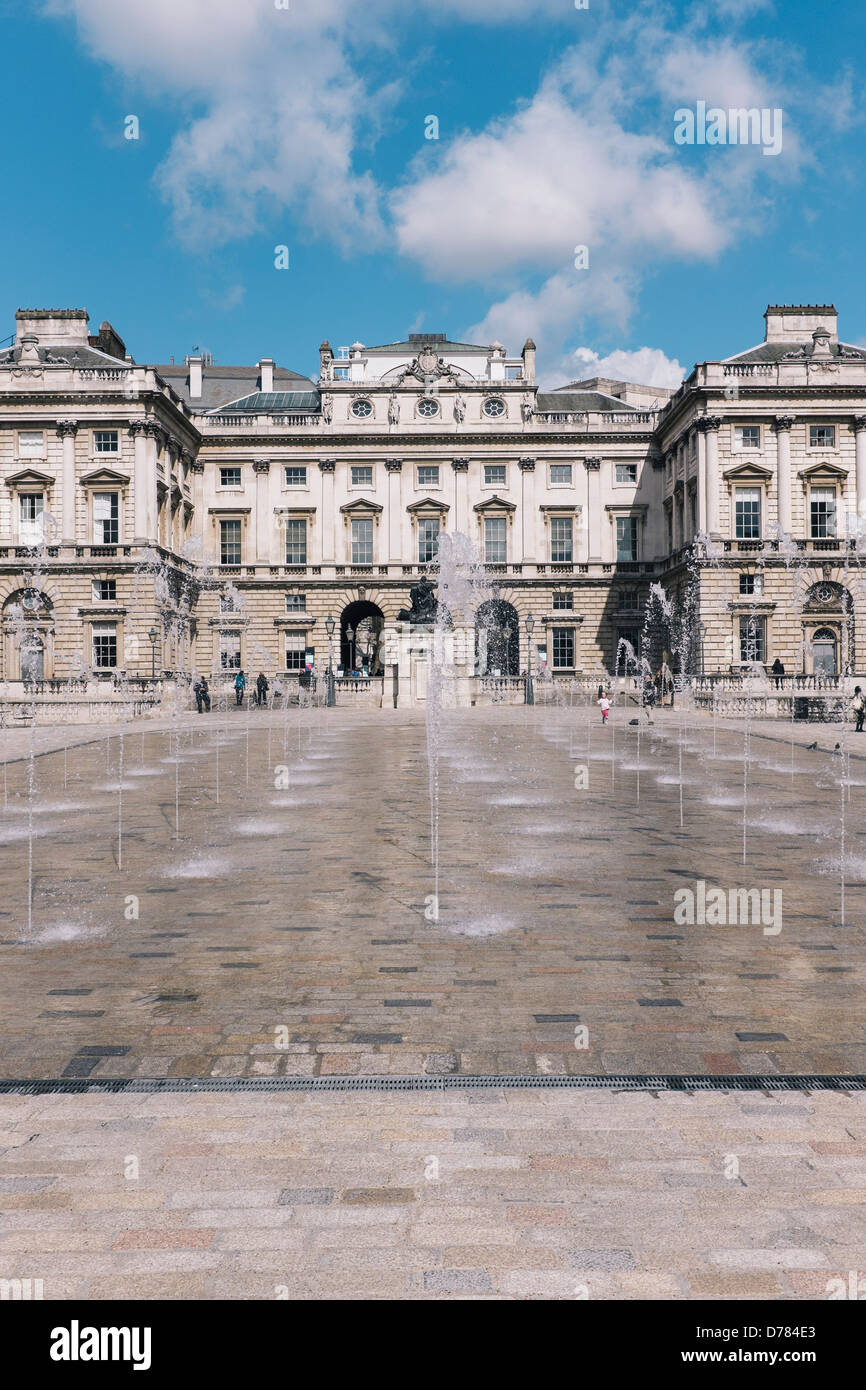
(154, 638)
(350, 638)
(329, 628)
(529, 693)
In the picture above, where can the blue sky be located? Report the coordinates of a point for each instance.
(305, 127)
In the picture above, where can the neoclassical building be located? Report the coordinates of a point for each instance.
(191, 515)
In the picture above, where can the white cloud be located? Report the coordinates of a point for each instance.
(645, 366)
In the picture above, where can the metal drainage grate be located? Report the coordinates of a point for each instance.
(140, 1085)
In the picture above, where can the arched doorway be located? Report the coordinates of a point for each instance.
(497, 639)
(27, 630)
(825, 660)
(361, 625)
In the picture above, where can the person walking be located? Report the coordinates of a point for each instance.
(202, 694)
(240, 687)
(604, 704)
(262, 688)
(858, 705)
(649, 698)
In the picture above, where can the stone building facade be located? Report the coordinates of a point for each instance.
(193, 516)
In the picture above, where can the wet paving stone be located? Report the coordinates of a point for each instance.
(516, 955)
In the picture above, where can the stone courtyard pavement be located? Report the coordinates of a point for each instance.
(251, 897)
(546, 1195)
(270, 913)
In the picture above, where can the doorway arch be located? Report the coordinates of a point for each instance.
(497, 638)
(27, 625)
(364, 621)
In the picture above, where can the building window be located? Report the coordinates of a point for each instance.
(428, 475)
(751, 584)
(494, 408)
(31, 444)
(747, 437)
(748, 514)
(230, 542)
(495, 540)
(494, 474)
(31, 513)
(822, 502)
(230, 651)
(362, 476)
(752, 639)
(628, 598)
(669, 527)
(822, 436)
(296, 646)
(106, 518)
(296, 603)
(362, 540)
(296, 541)
(104, 645)
(105, 591)
(563, 648)
(362, 410)
(625, 472)
(561, 547)
(341, 373)
(560, 474)
(230, 477)
(562, 602)
(633, 636)
(296, 477)
(105, 442)
(626, 538)
(428, 539)
(428, 407)
(693, 512)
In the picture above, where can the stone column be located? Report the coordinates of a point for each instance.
(394, 469)
(327, 469)
(711, 424)
(198, 523)
(529, 518)
(152, 434)
(67, 430)
(860, 446)
(461, 494)
(262, 468)
(593, 508)
(139, 480)
(782, 425)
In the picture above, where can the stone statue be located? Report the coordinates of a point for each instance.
(526, 408)
(422, 597)
(327, 409)
(459, 409)
(393, 410)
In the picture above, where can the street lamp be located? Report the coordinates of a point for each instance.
(350, 638)
(529, 693)
(329, 628)
(154, 638)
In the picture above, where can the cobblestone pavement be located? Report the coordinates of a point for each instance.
(547, 1194)
(282, 930)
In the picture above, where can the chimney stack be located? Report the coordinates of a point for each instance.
(529, 361)
(195, 375)
(266, 374)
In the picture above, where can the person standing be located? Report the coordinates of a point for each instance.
(858, 705)
(262, 688)
(202, 694)
(649, 698)
(240, 687)
(604, 703)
